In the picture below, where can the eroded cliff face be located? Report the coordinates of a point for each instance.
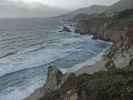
(91, 25)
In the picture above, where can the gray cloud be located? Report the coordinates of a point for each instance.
(78, 3)
(20, 9)
(69, 4)
(44, 8)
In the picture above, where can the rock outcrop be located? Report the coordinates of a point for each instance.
(92, 25)
(66, 29)
(54, 79)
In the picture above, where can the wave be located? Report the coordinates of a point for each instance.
(26, 51)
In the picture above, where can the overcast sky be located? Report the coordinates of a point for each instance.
(69, 3)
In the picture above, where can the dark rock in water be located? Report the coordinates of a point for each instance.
(65, 29)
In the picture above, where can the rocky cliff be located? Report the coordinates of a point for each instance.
(117, 29)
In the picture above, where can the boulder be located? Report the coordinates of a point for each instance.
(65, 29)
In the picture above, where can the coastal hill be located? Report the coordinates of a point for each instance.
(95, 9)
(90, 10)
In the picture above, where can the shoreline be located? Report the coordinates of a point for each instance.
(88, 69)
(98, 65)
(89, 66)
(94, 61)
(85, 68)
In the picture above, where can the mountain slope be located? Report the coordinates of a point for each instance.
(90, 10)
(121, 5)
(96, 9)
(87, 10)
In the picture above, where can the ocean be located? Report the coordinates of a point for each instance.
(29, 46)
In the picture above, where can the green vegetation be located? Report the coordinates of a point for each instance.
(112, 85)
(125, 13)
(121, 18)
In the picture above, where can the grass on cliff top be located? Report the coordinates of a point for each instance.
(121, 18)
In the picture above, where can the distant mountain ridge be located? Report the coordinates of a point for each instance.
(90, 10)
(97, 9)
(87, 10)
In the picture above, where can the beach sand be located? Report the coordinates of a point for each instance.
(90, 69)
